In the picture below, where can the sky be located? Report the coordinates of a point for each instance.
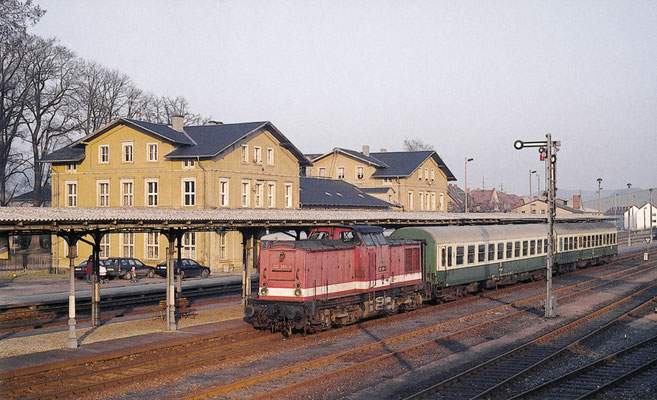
(468, 77)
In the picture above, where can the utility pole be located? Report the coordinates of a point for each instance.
(650, 233)
(466, 182)
(599, 188)
(629, 212)
(546, 150)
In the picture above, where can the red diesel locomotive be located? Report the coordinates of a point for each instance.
(338, 276)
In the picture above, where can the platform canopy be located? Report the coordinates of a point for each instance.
(16, 220)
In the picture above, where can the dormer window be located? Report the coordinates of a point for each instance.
(360, 172)
(188, 164)
(72, 168)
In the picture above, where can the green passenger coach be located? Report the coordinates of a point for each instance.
(464, 259)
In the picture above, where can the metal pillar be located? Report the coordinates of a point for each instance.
(246, 275)
(171, 236)
(547, 149)
(599, 189)
(629, 220)
(71, 341)
(466, 183)
(95, 279)
(179, 280)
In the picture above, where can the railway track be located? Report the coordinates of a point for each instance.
(74, 380)
(374, 356)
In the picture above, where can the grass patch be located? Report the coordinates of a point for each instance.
(30, 275)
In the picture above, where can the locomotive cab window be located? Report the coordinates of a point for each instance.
(347, 236)
(382, 240)
(367, 239)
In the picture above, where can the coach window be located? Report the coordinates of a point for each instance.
(575, 244)
(449, 256)
(491, 252)
(516, 249)
(500, 251)
(471, 254)
(532, 247)
(560, 244)
(545, 246)
(509, 250)
(525, 247)
(443, 256)
(539, 246)
(459, 255)
(481, 253)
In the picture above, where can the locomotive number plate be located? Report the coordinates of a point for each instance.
(281, 267)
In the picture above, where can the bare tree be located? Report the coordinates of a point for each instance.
(16, 16)
(48, 116)
(416, 144)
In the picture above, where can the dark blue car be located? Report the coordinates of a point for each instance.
(190, 268)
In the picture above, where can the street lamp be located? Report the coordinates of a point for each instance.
(629, 211)
(530, 184)
(599, 189)
(546, 150)
(466, 182)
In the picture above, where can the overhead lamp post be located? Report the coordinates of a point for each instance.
(599, 189)
(466, 182)
(629, 212)
(546, 150)
(650, 233)
(530, 184)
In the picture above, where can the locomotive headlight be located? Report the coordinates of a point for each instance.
(263, 291)
(264, 283)
(297, 292)
(298, 285)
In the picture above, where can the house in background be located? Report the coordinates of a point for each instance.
(493, 200)
(411, 180)
(130, 163)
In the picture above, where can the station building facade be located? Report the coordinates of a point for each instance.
(130, 163)
(411, 180)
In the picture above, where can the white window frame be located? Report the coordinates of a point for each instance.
(433, 175)
(321, 172)
(419, 174)
(420, 200)
(271, 194)
(101, 156)
(104, 245)
(360, 172)
(127, 196)
(148, 195)
(224, 192)
(152, 243)
(410, 199)
(128, 156)
(433, 201)
(223, 246)
(258, 193)
(189, 245)
(188, 163)
(340, 172)
(245, 194)
(245, 154)
(100, 196)
(270, 156)
(71, 168)
(257, 155)
(127, 240)
(288, 195)
(426, 174)
(71, 198)
(187, 199)
(441, 201)
(152, 156)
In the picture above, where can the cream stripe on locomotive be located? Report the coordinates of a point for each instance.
(340, 287)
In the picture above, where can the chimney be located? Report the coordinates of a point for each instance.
(177, 122)
(577, 201)
(383, 150)
(213, 122)
(366, 150)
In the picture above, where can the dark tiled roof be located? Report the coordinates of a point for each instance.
(383, 189)
(164, 131)
(213, 139)
(65, 154)
(403, 163)
(321, 192)
(45, 195)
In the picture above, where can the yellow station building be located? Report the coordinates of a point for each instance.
(411, 180)
(130, 163)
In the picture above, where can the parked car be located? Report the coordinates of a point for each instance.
(80, 270)
(190, 268)
(120, 266)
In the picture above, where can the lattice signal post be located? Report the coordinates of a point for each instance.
(547, 150)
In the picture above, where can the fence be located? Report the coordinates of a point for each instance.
(38, 261)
